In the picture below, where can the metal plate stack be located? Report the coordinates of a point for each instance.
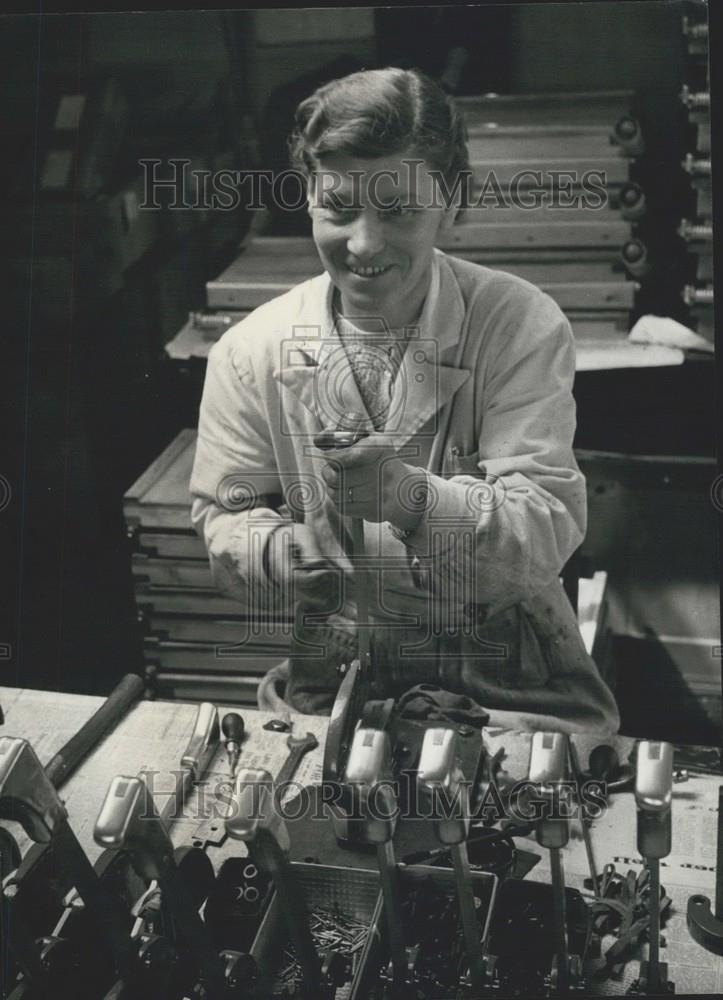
(553, 200)
(197, 645)
(698, 231)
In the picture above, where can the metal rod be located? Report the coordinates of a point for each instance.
(268, 855)
(654, 932)
(392, 908)
(362, 589)
(584, 821)
(468, 913)
(719, 861)
(559, 916)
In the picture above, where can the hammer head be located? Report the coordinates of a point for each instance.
(26, 793)
(441, 780)
(654, 776)
(254, 809)
(548, 768)
(128, 820)
(653, 797)
(368, 785)
(547, 758)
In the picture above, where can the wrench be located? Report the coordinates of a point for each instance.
(298, 746)
(212, 831)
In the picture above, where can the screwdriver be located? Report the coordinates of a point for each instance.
(345, 438)
(232, 727)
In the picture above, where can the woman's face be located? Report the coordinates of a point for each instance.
(375, 224)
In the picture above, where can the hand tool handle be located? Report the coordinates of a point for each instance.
(69, 757)
(329, 440)
(198, 755)
(232, 726)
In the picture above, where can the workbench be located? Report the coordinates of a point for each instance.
(153, 735)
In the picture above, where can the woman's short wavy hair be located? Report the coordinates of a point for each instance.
(380, 112)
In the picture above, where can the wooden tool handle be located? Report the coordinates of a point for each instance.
(67, 759)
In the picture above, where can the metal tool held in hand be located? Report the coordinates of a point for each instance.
(327, 441)
(355, 687)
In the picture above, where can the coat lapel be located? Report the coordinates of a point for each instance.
(420, 391)
(316, 369)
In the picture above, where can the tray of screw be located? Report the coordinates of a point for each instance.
(341, 905)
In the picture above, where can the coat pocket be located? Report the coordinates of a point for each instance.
(504, 650)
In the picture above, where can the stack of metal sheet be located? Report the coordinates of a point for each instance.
(553, 201)
(698, 231)
(198, 644)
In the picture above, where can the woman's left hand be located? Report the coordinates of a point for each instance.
(368, 480)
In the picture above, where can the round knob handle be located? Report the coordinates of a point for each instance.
(232, 726)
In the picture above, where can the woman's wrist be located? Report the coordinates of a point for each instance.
(410, 500)
(272, 556)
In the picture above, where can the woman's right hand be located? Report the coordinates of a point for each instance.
(297, 567)
(303, 574)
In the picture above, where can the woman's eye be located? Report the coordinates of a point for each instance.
(398, 212)
(339, 211)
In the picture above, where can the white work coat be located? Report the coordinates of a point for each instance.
(471, 600)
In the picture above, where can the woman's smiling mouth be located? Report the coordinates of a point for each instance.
(367, 272)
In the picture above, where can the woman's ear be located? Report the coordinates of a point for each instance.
(449, 216)
(310, 194)
(454, 208)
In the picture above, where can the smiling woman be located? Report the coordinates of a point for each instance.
(461, 377)
(377, 148)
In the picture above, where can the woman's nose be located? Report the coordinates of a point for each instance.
(366, 239)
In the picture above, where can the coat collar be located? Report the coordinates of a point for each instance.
(318, 374)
